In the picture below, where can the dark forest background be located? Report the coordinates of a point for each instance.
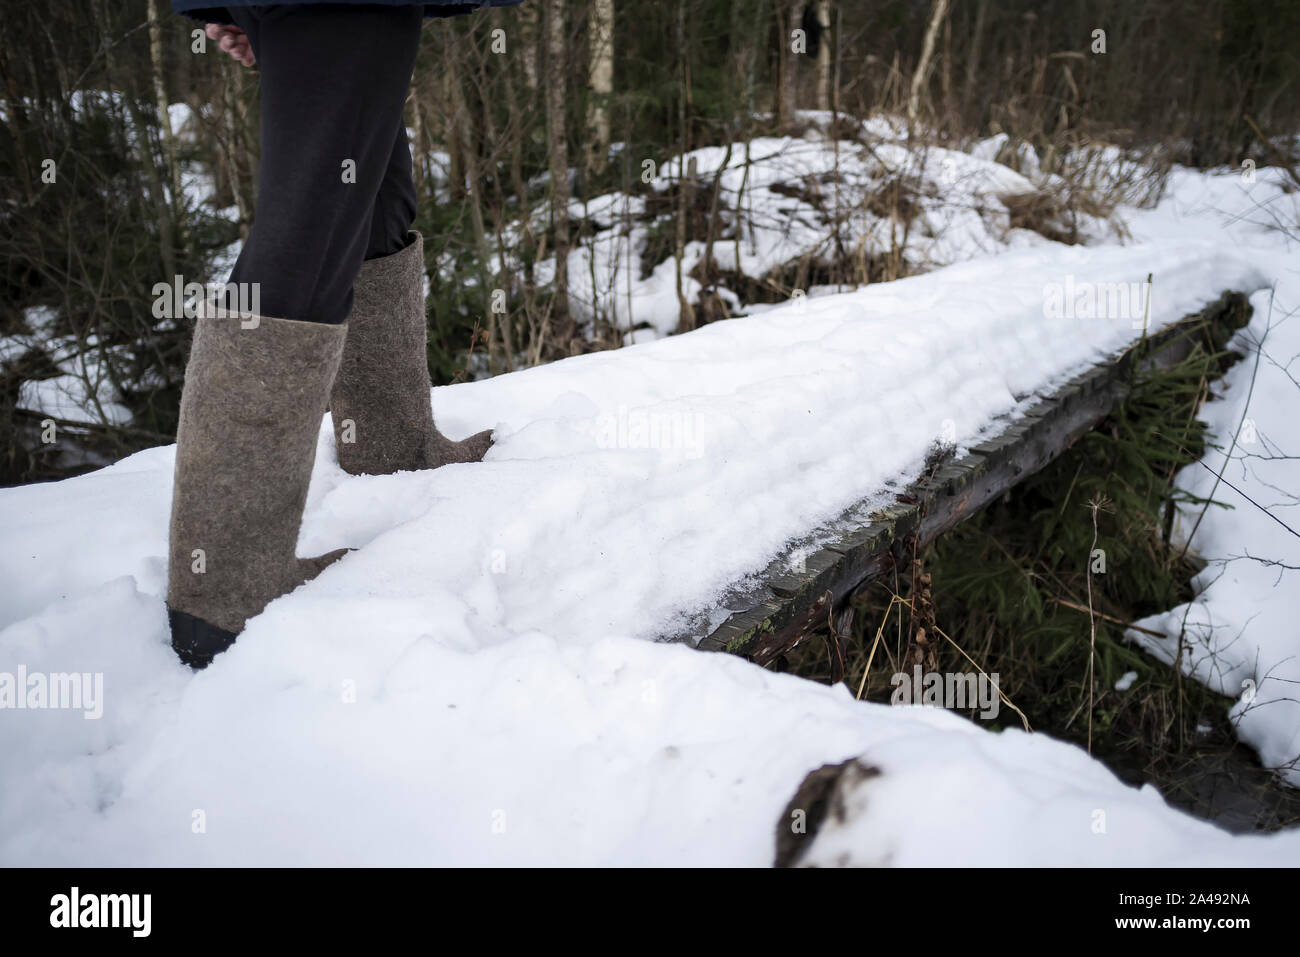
(552, 102)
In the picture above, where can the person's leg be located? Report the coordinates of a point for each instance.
(381, 405)
(395, 206)
(334, 80)
(333, 84)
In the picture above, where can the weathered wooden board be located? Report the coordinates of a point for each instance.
(784, 606)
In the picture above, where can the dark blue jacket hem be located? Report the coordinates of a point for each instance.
(205, 12)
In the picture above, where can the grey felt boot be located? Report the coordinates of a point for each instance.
(383, 415)
(250, 413)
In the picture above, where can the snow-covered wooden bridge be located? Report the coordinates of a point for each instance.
(801, 592)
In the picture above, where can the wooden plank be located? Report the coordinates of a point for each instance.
(790, 603)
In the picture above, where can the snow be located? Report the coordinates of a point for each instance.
(1240, 633)
(951, 795)
(74, 398)
(479, 682)
(790, 210)
(474, 685)
(83, 391)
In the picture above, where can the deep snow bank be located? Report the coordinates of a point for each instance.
(1240, 635)
(469, 687)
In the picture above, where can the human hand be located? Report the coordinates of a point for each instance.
(232, 40)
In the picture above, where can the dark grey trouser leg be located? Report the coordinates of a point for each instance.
(334, 80)
(395, 205)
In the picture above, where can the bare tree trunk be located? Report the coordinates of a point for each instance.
(788, 100)
(528, 19)
(686, 200)
(977, 35)
(160, 99)
(600, 31)
(16, 114)
(232, 119)
(628, 224)
(420, 147)
(685, 176)
(529, 241)
(139, 139)
(709, 277)
(824, 55)
(559, 150)
(838, 77)
(474, 197)
(457, 146)
(746, 67)
(945, 75)
(927, 53)
(833, 104)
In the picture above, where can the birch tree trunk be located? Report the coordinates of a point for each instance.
(138, 138)
(528, 43)
(160, 100)
(600, 31)
(559, 150)
(824, 55)
(927, 54)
